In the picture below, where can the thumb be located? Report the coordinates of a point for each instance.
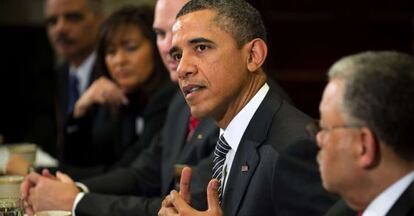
(63, 177)
(178, 201)
(212, 196)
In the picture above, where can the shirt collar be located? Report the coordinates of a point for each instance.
(383, 203)
(235, 130)
(83, 72)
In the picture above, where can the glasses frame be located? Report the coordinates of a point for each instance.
(313, 128)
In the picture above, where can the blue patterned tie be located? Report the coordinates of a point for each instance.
(73, 93)
(219, 157)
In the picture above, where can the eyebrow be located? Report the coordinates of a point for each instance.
(200, 40)
(173, 50)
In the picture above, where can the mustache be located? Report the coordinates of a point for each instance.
(64, 38)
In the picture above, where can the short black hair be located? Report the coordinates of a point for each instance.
(236, 17)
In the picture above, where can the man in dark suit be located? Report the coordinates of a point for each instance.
(268, 162)
(72, 28)
(366, 134)
(138, 188)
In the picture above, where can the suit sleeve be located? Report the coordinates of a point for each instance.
(142, 178)
(111, 205)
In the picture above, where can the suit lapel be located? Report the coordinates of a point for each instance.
(243, 168)
(404, 204)
(176, 141)
(247, 157)
(202, 132)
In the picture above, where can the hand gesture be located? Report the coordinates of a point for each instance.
(48, 192)
(103, 91)
(177, 204)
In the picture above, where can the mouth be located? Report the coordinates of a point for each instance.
(122, 73)
(189, 90)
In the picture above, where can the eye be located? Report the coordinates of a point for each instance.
(131, 47)
(159, 33)
(176, 56)
(110, 51)
(74, 17)
(201, 48)
(51, 21)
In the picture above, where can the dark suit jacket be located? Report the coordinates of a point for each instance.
(101, 140)
(139, 189)
(62, 98)
(403, 207)
(282, 176)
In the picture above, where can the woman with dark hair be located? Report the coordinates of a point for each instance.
(120, 113)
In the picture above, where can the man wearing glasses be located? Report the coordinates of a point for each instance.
(366, 136)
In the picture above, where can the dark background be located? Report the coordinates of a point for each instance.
(305, 38)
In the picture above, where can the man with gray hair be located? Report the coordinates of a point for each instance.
(366, 134)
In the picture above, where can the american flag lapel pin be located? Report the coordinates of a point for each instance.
(244, 168)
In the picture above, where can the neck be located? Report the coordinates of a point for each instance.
(79, 59)
(247, 93)
(390, 169)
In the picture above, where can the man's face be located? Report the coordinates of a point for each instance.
(337, 152)
(72, 28)
(165, 12)
(212, 71)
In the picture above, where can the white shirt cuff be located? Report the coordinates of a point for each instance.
(78, 198)
(82, 186)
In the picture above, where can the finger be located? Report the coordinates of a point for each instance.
(185, 183)
(33, 177)
(171, 211)
(46, 173)
(178, 202)
(167, 202)
(29, 211)
(212, 195)
(24, 188)
(63, 177)
(30, 198)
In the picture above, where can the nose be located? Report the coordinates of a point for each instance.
(319, 140)
(61, 24)
(186, 67)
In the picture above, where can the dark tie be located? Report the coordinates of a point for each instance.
(73, 92)
(219, 157)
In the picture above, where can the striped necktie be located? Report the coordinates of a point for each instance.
(219, 157)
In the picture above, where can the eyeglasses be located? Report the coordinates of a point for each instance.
(313, 128)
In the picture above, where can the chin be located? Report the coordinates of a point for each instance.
(197, 113)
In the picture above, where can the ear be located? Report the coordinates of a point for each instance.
(367, 149)
(257, 52)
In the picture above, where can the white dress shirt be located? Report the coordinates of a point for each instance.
(83, 72)
(383, 203)
(237, 126)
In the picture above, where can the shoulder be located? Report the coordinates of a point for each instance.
(162, 98)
